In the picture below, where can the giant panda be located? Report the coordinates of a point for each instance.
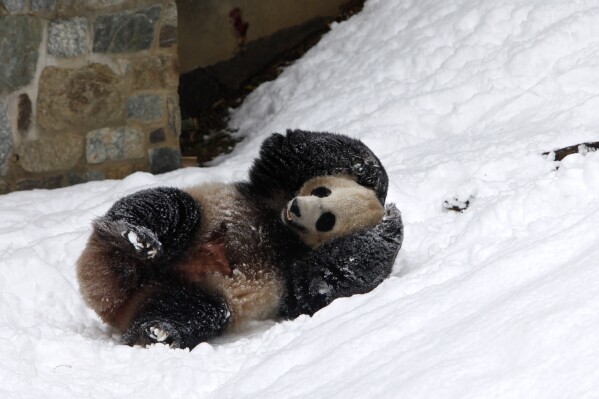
(181, 266)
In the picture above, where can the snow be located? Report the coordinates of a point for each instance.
(459, 99)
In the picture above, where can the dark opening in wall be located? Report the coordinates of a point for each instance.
(207, 93)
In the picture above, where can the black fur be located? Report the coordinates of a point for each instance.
(165, 221)
(287, 162)
(187, 314)
(345, 266)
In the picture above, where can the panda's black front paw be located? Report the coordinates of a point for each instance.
(153, 332)
(391, 227)
(391, 212)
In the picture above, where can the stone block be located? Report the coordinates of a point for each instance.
(126, 32)
(95, 175)
(68, 37)
(6, 139)
(43, 6)
(49, 154)
(155, 73)
(75, 177)
(169, 17)
(4, 188)
(25, 111)
(167, 36)
(110, 144)
(174, 116)
(15, 6)
(164, 159)
(168, 31)
(20, 39)
(79, 99)
(47, 182)
(121, 171)
(145, 108)
(157, 136)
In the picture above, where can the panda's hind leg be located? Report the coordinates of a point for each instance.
(180, 317)
(153, 224)
(133, 249)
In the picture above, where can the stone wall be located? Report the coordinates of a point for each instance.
(88, 91)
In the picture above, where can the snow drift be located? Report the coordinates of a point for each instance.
(458, 99)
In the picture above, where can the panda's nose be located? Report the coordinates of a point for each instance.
(294, 208)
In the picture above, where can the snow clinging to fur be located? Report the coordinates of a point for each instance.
(458, 100)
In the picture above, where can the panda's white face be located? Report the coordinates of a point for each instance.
(331, 206)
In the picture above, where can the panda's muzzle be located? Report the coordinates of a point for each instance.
(294, 208)
(291, 212)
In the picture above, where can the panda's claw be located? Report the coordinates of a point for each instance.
(153, 332)
(158, 334)
(143, 241)
(391, 211)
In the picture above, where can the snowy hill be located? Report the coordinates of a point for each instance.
(459, 99)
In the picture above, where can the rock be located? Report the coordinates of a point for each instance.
(75, 177)
(95, 175)
(126, 32)
(164, 159)
(145, 108)
(168, 31)
(24, 116)
(47, 182)
(48, 154)
(155, 73)
(157, 136)
(19, 54)
(68, 37)
(6, 139)
(45, 6)
(15, 6)
(167, 36)
(170, 15)
(114, 144)
(174, 116)
(79, 99)
(121, 171)
(81, 7)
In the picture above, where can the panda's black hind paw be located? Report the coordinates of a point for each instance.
(153, 332)
(136, 240)
(144, 241)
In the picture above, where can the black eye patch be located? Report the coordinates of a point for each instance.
(325, 222)
(321, 192)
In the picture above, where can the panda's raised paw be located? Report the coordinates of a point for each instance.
(136, 240)
(391, 227)
(391, 211)
(143, 241)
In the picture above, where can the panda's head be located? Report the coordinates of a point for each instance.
(331, 206)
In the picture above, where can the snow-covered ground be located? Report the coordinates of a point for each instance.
(459, 99)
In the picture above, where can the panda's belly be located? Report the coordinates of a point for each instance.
(254, 287)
